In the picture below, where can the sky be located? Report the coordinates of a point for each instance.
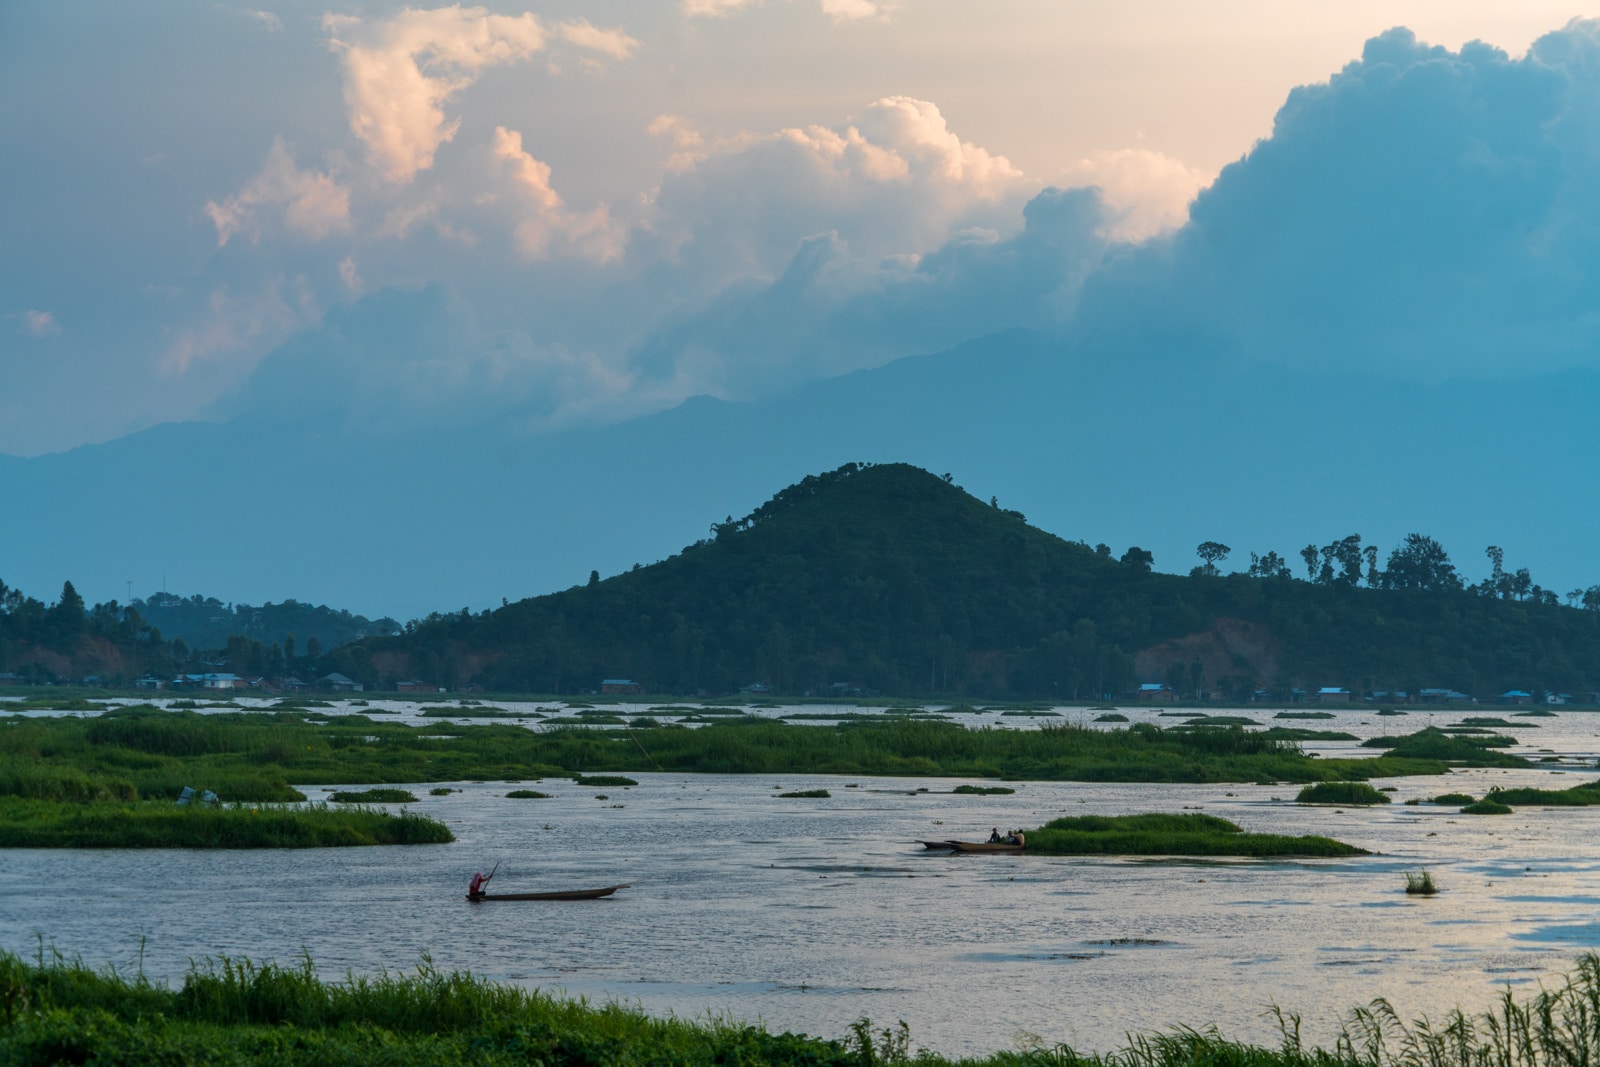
(213, 209)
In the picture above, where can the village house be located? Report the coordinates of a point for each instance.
(1156, 691)
(1333, 694)
(620, 685)
(1516, 696)
(338, 683)
(413, 685)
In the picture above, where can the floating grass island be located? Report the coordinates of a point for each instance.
(807, 794)
(983, 790)
(1341, 793)
(161, 824)
(1190, 834)
(527, 794)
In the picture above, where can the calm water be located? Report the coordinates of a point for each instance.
(809, 914)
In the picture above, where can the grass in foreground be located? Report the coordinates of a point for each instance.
(235, 1012)
(158, 824)
(1172, 835)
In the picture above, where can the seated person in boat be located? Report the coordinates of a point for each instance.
(994, 836)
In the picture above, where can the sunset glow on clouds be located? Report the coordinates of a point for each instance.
(626, 204)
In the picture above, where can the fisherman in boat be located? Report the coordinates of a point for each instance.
(475, 887)
(994, 836)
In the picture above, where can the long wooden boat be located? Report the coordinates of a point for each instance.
(983, 846)
(570, 894)
(944, 846)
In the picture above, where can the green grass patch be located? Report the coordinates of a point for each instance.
(1187, 834)
(1304, 715)
(527, 794)
(604, 780)
(1486, 807)
(983, 790)
(1579, 796)
(440, 791)
(1222, 720)
(1341, 793)
(161, 824)
(1111, 716)
(807, 794)
(1435, 744)
(1420, 884)
(1454, 799)
(469, 712)
(373, 796)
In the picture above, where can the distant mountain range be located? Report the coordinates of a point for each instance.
(1157, 441)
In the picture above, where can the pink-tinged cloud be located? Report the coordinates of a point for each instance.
(546, 220)
(40, 324)
(314, 205)
(399, 72)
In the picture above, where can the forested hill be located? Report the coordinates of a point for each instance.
(893, 580)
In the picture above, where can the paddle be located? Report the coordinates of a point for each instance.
(485, 882)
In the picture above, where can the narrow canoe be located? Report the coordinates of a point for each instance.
(982, 846)
(571, 894)
(942, 845)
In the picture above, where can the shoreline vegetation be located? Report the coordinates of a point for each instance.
(238, 1012)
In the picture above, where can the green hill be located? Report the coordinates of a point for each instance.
(888, 579)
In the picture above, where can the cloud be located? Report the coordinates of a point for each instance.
(896, 181)
(613, 43)
(232, 323)
(1148, 192)
(1423, 214)
(840, 11)
(857, 10)
(40, 324)
(592, 234)
(714, 8)
(399, 72)
(268, 19)
(399, 359)
(314, 205)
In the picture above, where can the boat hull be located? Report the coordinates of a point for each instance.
(982, 846)
(570, 894)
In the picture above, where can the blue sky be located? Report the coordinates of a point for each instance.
(613, 193)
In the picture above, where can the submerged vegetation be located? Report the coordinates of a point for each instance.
(1189, 834)
(373, 796)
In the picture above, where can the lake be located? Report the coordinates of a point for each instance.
(807, 914)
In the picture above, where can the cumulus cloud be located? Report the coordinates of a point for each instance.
(1424, 213)
(1148, 192)
(896, 181)
(313, 205)
(590, 234)
(400, 71)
